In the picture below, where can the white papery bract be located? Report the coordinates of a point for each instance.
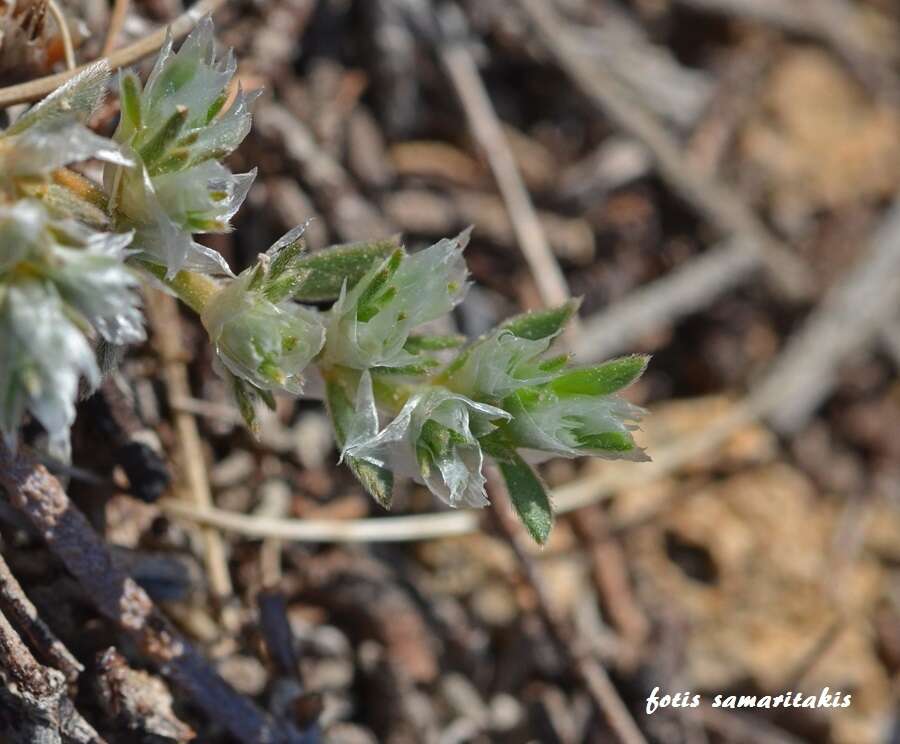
(267, 344)
(498, 364)
(573, 425)
(369, 324)
(434, 440)
(85, 266)
(59, 280)
(76, 99)
(52, 134)
(43, 355)
(176, 130)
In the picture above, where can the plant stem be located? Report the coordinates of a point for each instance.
(195, 290)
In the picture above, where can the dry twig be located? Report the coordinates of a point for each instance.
(592, 673)
(38, 709)
(116, 22)
(39, 496)
(162, 311)
(461, 522)
(721, 204)
(138, 702)
(23, 614)
(852, 314)
(34, 89)
(661, 303)
(488, 131)
(63, 26)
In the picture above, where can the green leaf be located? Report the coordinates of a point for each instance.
(244, 398)
(416, 344)
(612, 441)
(529, 497)
(554, 364)
(378, 481)
(131, 99)
(286, 258)
(425, 366)
(539, 324)
(282, 288)
(165, 136)
(497, 444)
(216, 106)
(329, 268)
(602, 379)
(373, 298)
(176, 160)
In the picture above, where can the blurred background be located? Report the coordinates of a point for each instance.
(718, 180)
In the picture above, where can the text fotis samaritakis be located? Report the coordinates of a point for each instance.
(790, 699)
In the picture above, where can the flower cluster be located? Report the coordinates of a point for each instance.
(403, 404)
(62, 284)
(63, 281)
(402, 411)
(177, 129)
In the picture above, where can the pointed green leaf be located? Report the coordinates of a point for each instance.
(602, 379)
(529, 497)
(213, 111)
(611, 441)
(497, 444)
(373, 298)
(416, 344)
(166, 135)
(282, 288)
(286, 257)
(174, 161)
(245, 402)
(329, 268)
(131, 99)
(554, 364)
(539, 324)
(378, 482)
(425, 366)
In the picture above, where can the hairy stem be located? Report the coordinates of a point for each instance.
(194, 290)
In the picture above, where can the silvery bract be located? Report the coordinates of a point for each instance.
(43, 355)
(370, 323)
(52, 133)
(434, 439)
(177, 130)
(65, 287)
(574, 425)
(498, 364)
(84, 266)
(265, 343)
(60, 279)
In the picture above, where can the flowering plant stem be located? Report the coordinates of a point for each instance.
(403, 403)
(193, 289)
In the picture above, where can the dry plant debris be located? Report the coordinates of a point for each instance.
(759, 554)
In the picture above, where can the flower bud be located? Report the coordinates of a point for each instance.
(573, 425)
(434, 439)
(510, 357)
(264, 343)
(370, 323)
(176, 130)
(43, 355)
(85, 266)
